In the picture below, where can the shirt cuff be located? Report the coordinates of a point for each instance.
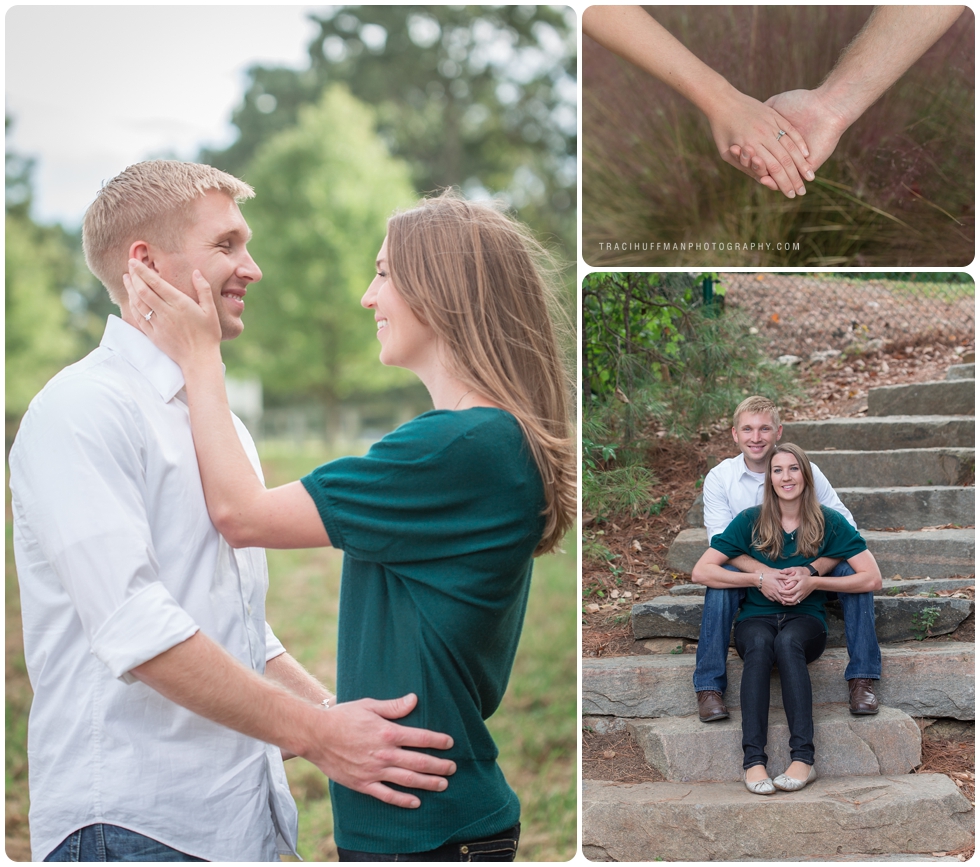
(144, 626)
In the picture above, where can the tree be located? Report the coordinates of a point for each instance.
(325, 190)
(39, 341)
(483, 98)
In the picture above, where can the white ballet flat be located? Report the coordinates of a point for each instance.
(759, 787)
(790, 784)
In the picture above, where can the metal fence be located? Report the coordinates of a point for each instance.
(799, 314)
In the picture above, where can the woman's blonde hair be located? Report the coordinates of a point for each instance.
(147, 201)
(767, 534)
(484, 285)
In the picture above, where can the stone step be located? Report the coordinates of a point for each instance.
(897, 618)
(945, 397)
(897, 467)
(961, 371)
(893, 507)
(724, 822)
(686, 750)
(889, 587)
(933, 553)
(888, 432)
(927, 679)
(901, 858)
(910, 508)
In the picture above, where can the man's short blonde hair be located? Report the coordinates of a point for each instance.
(756, 405)
(149, 201)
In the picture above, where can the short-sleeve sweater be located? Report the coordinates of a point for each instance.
(438, 523)
(840, 542)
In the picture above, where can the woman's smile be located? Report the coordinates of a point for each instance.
(786, 476)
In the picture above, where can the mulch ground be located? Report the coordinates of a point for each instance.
(837, 387)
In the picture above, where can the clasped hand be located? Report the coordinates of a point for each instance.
(787, 586)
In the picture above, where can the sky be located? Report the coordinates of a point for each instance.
(92, 89)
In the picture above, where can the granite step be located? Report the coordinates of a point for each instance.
(933, 553)
(896, 467)
(945, 397)
(897, 618)
(905, 813)
(884, 508)
(928, 587)
(686, 750)
(910, 508)
(961, 371)
(923, 679)
(888, 432)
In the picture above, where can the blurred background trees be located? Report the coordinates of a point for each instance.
(397, 102)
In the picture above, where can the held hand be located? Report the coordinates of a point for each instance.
(771, 587)
(746, 123)
(795, 571)
(794, 590)
(819, 123)
(358, 747)
(184, 328)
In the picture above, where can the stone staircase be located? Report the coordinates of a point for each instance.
(904, 474)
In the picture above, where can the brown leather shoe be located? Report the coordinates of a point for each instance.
(711, 706)
(863, 698)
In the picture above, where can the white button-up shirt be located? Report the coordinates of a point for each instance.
(118, 562)
(731, 487)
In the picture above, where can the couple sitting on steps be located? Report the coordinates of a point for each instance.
(778, 546)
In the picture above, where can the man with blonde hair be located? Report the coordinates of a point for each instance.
(731, 487)
(163, 703)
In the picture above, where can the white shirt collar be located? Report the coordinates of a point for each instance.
(132, 344)
(741, 469)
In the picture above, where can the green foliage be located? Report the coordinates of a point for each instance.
(653, 351)
(655, 355)
(479, 97)
(327, 187)
(39, 266)
(923, 621)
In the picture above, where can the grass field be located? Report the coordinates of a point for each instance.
(535, 727)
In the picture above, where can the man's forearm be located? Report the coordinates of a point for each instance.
(746, 563)
(893, 38)
(287, 672)
(354, 743)
(203, 677)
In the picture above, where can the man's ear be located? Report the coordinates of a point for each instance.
(779, 433)
(141, 250)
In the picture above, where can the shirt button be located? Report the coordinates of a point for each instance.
(248, 608)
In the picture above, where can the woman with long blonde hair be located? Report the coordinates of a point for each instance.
(781, 620)
(439, 521)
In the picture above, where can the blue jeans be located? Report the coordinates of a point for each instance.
(790, 641)
(112, 843)
(496, 847)
(721, 606)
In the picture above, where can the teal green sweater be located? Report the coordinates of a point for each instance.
(840, 541)
(438, 524)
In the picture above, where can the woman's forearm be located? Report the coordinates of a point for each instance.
(637, 37)
(231, 486)
(718, 577)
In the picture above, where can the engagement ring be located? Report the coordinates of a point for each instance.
(148, 315)
(781, 134)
